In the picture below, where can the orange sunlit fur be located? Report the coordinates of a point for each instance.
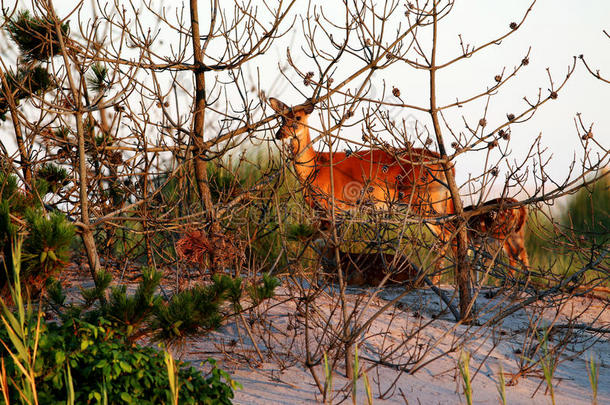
(505, 226)
(410, 176)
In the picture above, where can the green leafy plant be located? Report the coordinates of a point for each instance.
(98, 362)
(81, 362)
(22, 84)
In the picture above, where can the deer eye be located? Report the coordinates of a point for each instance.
(299, 118)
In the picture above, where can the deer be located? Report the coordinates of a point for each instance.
(380, 178)
(500, 228)
(497, 228)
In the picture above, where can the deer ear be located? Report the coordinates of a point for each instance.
(309, 106)
(277, 105)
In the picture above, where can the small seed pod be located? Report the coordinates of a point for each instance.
(396, 91)
(455, 145)
(588, 135)
(428, 141)
(62, 154)
(525, 61)
(482, 122)
(492, 144)
(307, 78)
(513, 26)
(494, 171)
(116, 158)
(498, 78)
(553, 95)
(510, 116)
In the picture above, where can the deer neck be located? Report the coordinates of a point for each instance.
(305, 156)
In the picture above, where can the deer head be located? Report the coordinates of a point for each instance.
(294, 119)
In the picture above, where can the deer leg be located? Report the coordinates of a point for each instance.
(444, 235)
(515, 250)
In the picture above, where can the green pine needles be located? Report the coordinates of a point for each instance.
(47, 247)
(35, 36)
(97, 79)
(191, 312)
(55, 176)
(37, 40)
(24, 83)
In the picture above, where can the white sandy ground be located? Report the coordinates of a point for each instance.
(282, 378)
